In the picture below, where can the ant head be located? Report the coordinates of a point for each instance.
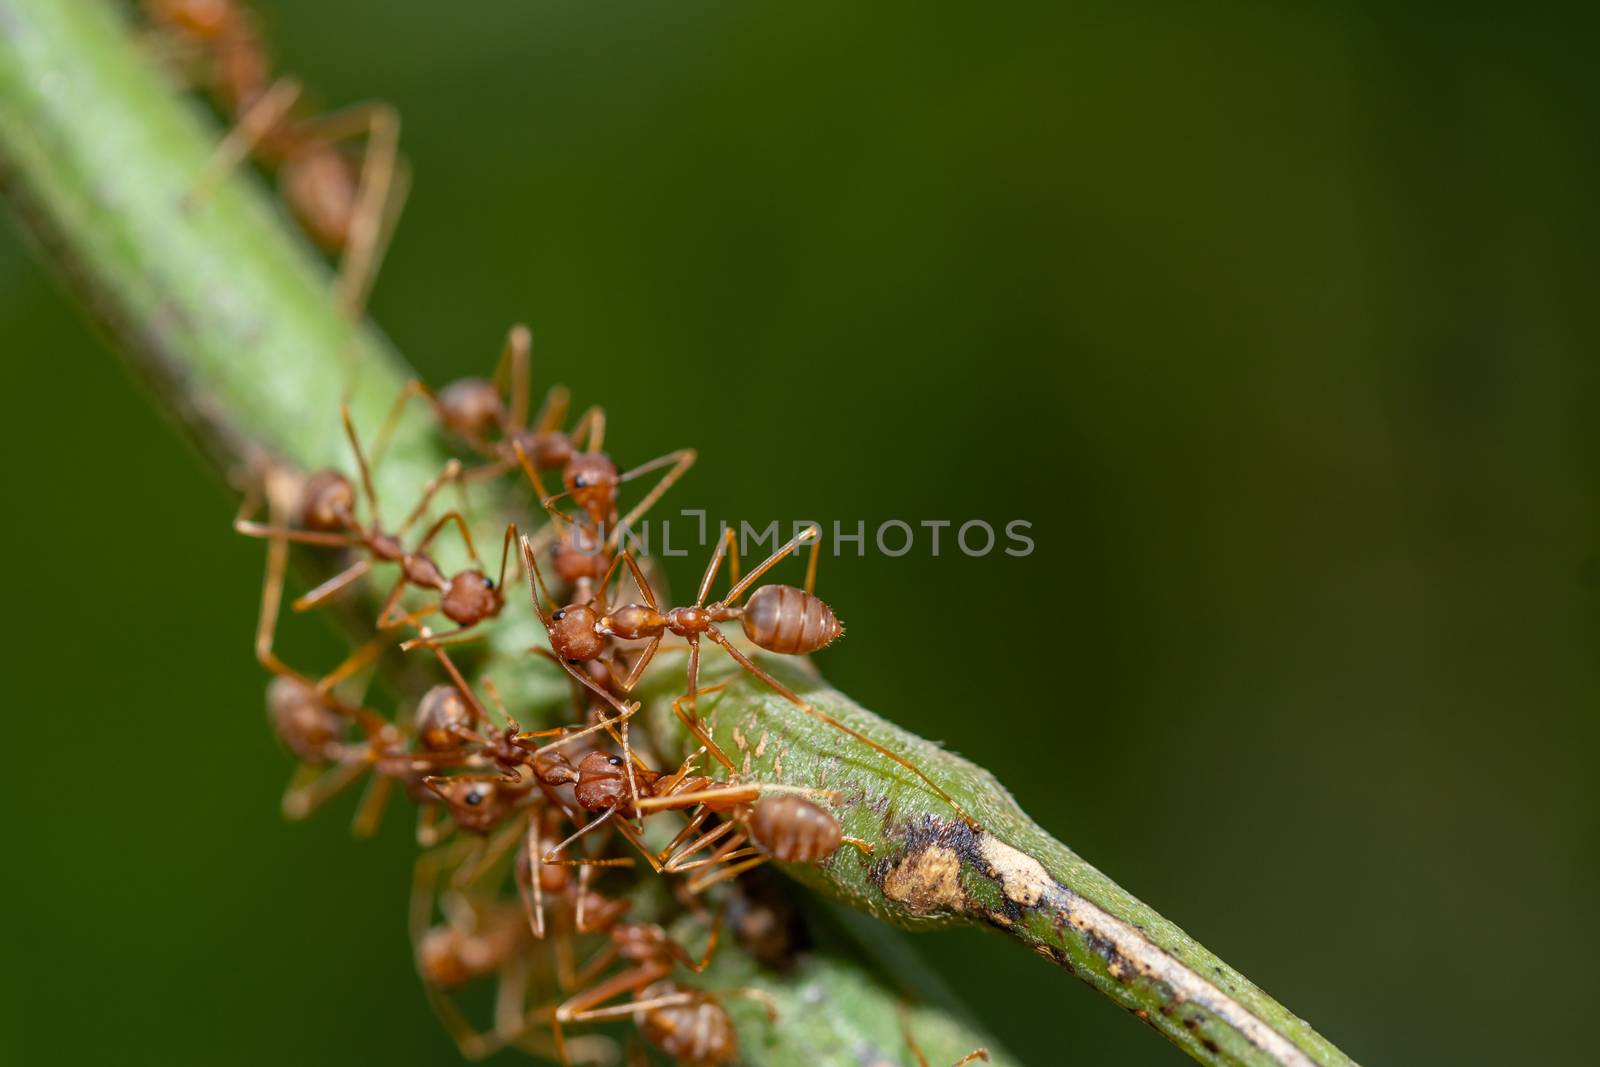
(471, 408)
(302, 720)
(470, 598)
(204, 19)
(476, 804)
(572, 634)
(327, 501)
(579, 554)
(440, 958)
(591, 478)
(443, 716)
(602, 781)
(548, 450)
(554, 768)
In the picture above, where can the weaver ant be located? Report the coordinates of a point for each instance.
(688, 1024)
(479, 938)
(327, 518)
(779, 822)
(347, 202)
(778, 618)
(475, 410)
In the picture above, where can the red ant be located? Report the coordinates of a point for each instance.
(475, 410)
(480, 938)
(688, 1024)
(309, 716)
(327, 518)
(700, 1035)
(781, 824)
(916, 1049)
(347, 202)
(778, 618)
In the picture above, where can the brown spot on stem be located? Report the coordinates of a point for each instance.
(927, 881)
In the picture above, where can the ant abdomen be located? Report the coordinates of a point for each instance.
(305, 724)
(792, 829)
(471, 408)
(443, 718)
(322, 187)
(781, 618)
(698, 1032)
(327, 501)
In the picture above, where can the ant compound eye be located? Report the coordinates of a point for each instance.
(488, 582)
(615, 761)
(580, 481)
(475, 797)
(558, 616)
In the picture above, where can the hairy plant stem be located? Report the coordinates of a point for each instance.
(229, 320)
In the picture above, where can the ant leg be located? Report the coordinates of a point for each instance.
(680, 461)
(713, 567)
(552, 410)
(299, 537)
(362, 466)
(568, 738)
(676, 845)
(591, 428)
(760, 996)
(532, 892)
(461, 524)
(369, 811)
(515, 362)
(591, 825)
(733, 555)
(642, 583)
(706, 881)
(472, 1043)
(330, 588)
(916, 1049)
(505, 553)
(487, 856)
(391, 422)
(528, 469)
(613, 1011)
(260, 118)
(640, 664)
(311, 787)
(691, 717)
(380, 191)
(679, 861)
(811, 564)
(743, 794)
(271, 605)
(431, 827)
(810, 533)
(511, 1001)
(586, 1005)
(451, 472)
(822, 716)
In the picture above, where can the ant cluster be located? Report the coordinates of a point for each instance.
(522, 828)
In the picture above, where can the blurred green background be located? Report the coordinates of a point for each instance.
(1279, 325)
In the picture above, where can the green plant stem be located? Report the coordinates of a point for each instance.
(229, 321)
